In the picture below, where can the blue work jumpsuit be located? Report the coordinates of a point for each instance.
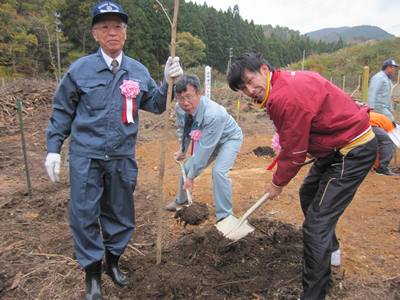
(380, 94)
(88, 107)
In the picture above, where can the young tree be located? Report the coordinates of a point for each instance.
(190, 49)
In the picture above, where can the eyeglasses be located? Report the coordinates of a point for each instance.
(182, 99)
(105, 27)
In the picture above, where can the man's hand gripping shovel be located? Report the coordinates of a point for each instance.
(191, 213)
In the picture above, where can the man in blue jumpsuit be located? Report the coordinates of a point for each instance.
(215, 136)
(96, 104)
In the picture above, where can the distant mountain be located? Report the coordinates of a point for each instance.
(350, 34)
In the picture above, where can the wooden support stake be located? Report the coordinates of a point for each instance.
(344, 83)
(239, 100)
(164, 142)
(364, 87)
(21, 126)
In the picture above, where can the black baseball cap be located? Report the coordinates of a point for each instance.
(107, 8)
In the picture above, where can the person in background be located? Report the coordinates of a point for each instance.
(312, 117)
(382, 125)
(97, 104)
(380, 89)
(215, 136)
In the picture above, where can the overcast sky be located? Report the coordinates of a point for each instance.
(310, 15)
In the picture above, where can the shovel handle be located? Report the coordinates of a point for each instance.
(188, 194)
(252, 209)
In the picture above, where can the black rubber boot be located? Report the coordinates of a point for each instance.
(113, 270)
(93, 281)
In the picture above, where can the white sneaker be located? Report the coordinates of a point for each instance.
(335, 258)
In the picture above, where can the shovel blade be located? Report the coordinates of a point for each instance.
(231, 228)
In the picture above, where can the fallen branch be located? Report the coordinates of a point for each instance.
(16, 281)
(232, 282)
(142, 244)
(135, 249)
(49, 255)
(13, 245)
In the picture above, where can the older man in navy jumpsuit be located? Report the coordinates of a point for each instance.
(101, 118)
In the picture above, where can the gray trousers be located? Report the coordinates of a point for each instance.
(385, 147)
(224, 157)
(101, 209)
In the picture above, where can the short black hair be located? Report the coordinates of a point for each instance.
(251, 61)
(185, 80)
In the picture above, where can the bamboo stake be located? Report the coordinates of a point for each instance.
(364, 87)
(164, 143)
(21, 126)
(238, 101)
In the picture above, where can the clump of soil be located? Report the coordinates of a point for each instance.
(264, 151)
(194, 214)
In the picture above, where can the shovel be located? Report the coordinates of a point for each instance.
(234, 228)
(189, 195)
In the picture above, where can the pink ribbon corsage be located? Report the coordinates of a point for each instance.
(129, 89)
(276, 146)
(195, 136)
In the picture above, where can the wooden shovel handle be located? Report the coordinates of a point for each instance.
(252, 209)
(182, 167)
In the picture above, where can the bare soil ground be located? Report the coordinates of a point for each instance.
(36, 252)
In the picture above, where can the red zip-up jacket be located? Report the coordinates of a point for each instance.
(311, 115)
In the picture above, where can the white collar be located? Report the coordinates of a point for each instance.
(109, 59)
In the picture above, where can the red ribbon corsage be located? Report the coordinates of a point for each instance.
(195, 136)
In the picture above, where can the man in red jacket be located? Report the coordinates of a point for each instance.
(312, 116)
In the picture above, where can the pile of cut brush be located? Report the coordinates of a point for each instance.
(34, 94)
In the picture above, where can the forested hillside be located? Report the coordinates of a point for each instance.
(287, 45)
(351, 60)
(28, 36)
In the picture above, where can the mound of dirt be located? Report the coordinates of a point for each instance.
(264, 151)
(205, 265)
(195, 214)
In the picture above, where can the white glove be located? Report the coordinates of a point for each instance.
(172, 68)
(52, 164)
